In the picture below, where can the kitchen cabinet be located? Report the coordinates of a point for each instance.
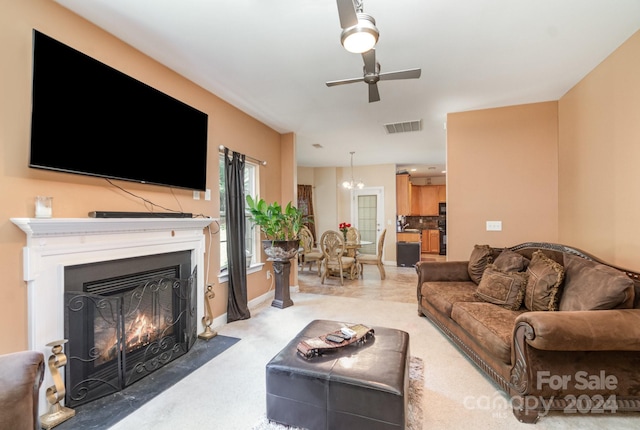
(431, 241)
(408, 237)
(425, 199)
(442, 193)
(403, 195)
(418, 200)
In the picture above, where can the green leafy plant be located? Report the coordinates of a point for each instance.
(274, 222)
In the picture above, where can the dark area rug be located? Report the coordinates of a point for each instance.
(106, 411)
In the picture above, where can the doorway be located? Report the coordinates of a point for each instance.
(367, 209)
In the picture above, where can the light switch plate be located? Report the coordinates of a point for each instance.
(494, 225)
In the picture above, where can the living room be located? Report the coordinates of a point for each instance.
(559, 171)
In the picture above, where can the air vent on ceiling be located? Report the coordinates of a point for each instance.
(403, 127)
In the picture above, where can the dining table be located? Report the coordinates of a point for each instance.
(352, 247)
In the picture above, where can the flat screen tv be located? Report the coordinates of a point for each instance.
(89, 118)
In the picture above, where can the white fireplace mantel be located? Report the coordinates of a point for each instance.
(43, 227)
(54, 243)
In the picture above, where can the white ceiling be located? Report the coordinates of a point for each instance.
(271, 59)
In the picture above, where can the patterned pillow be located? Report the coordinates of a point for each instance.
(502, 288)
(511, 261)
(543, 287)
(480, 257)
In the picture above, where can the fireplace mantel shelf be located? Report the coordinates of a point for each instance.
(47, 227)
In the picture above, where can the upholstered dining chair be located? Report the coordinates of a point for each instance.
(309, 254)
(363, 259)
(334, 261)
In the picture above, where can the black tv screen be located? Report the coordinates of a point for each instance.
(91, 119)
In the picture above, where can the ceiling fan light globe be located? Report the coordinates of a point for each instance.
(361, 37)
(360, 185)
(347, 185)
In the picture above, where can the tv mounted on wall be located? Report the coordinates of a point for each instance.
(91, 119)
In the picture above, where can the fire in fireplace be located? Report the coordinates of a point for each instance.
(125, 319)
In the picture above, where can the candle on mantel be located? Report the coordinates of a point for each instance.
(43, 207)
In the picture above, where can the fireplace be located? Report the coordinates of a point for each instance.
(124, 319)
(56, 244)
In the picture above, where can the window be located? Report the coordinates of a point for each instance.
(250, 186)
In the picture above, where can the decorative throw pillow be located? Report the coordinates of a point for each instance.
(589, 285)
(480, 257)
(543, 286)
(511, 261)
(502, 288)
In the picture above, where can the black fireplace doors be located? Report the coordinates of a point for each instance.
(122, 328)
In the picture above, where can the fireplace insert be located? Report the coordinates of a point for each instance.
(125, 319)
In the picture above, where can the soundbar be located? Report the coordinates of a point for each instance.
(113, 214)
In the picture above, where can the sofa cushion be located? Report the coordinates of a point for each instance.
(502, 288)
(589, 286)
(442, 295)
(543, 286)
(511, 261)
(480, 257)
(491, 326)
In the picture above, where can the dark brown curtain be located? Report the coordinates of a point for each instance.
(305, 204)
(237, 304)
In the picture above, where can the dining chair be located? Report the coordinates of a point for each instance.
(309, 254)
(363, 259)
(353, 235)
(334, 261)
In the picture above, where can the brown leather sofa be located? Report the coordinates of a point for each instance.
(21, 375)
(554, 327)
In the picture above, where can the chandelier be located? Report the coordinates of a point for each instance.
(353, 184)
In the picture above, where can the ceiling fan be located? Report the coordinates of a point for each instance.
(372, 75)
(360, 26)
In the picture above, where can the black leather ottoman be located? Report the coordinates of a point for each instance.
(359, 386)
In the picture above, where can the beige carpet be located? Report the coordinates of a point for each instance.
(414, 404)
(228, 393)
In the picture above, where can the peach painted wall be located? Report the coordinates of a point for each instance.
(599, 157)
(502, 165)
(74, 195)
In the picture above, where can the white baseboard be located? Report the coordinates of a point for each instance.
(254, 303)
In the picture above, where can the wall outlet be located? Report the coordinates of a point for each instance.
(268, 274)
(494, 225)
(196, 195)
(207, 194)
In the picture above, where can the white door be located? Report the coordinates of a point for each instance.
(367, 209)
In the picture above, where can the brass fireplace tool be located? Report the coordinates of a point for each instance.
(57, 413)
(207, 319)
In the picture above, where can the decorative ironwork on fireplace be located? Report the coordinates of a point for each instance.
(122, 328)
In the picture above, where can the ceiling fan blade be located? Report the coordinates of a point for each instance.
(374, 95)
(347, 13)
(369, 58)
(401, 74)
(344, 81)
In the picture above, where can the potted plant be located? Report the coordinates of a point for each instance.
(275, 223)
(281, 229)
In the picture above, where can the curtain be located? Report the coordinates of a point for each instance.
(305, 204)
(237, 305)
